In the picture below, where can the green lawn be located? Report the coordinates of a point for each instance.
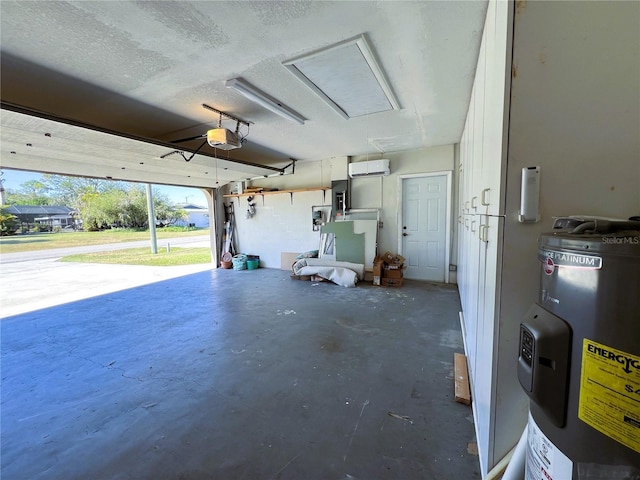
(142, 256)
(45, 241)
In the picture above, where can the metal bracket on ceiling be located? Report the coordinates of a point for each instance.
(181, 153)
(223, 114)
(292, 165)
(231, 117)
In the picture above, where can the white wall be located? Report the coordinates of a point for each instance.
(307, 174)
(382, 192)
(575, 108)
(282, 223)
(279, 226)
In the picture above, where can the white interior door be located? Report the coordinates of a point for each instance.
(423, 224)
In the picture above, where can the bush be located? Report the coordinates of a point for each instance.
(175, 228)
(41, 227)
(8, 223)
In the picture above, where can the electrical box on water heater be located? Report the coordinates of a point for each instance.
(579, 358)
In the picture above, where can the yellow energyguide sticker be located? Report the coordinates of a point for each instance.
(610, 392)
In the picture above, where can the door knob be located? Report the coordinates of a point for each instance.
(404, 234)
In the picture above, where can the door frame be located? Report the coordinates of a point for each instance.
(447, 228)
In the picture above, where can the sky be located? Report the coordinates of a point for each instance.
(13, 179)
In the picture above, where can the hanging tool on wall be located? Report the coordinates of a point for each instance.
(251, 210)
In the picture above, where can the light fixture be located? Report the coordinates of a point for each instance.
(347, 77)
(263, 99)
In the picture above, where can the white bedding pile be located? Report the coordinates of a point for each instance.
(344, 274)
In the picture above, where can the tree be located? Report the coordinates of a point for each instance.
(99, 203)
(32, 192)
(70, 191)
(125, 207)
(169, 214)
(13, 197)
(8, 223)
(100, 210)
(166, 212)
(134, 212)
(34, 188)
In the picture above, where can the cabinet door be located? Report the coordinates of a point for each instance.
(496, 107)
(489, 235)
(468, 154)
(477, 150)
(472, 279)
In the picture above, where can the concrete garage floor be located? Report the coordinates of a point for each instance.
(237, 375)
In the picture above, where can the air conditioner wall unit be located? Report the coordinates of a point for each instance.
(370, 168)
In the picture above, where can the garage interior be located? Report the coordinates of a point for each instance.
(241, 381)
(469, 93)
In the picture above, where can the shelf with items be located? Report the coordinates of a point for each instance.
(276, 192)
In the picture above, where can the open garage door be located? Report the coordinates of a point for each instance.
(51, 145)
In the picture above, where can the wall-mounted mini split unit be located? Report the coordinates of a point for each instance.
(223, 139)
(370, 168)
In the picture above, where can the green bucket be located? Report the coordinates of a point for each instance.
(252, 264)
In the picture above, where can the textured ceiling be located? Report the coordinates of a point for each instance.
(145, 68)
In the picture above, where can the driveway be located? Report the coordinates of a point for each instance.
(28, 284)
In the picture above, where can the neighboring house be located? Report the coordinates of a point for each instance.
(197, 216)
(52, 215)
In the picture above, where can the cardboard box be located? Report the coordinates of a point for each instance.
(391, 282)
(287, 259)
(393, 260)
(392, 272)
(378, 265)
(300, 277)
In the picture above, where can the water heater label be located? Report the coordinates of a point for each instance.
(610, 393)
(544, 460)
(566, 259)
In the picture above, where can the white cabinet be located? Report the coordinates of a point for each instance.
(481, 179)
(484, 393)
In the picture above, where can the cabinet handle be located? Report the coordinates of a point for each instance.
(482, 233)
(466, 205)
(466, 223)
(483, 199)
(474, 202)
(473, 226)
